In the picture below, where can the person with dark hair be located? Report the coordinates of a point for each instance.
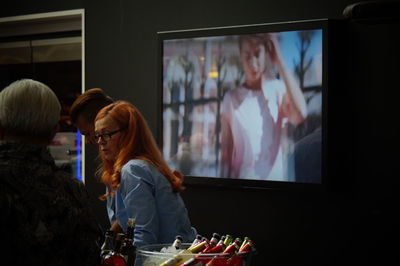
(253, 115)
(84, 110)
(139, 182)
(46, 216)
(82, 114)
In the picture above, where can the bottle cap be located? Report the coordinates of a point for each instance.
(216, 235)
(131, 222)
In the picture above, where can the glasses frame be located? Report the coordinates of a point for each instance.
(106, 136)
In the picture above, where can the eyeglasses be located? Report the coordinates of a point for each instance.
(106, 136)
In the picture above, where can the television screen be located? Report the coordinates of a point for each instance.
(245, 102)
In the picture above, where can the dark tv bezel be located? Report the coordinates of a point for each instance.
(251, 29)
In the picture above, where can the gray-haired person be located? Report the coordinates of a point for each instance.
(45, 216)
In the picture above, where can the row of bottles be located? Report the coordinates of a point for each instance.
(218, 251)
(118, 248)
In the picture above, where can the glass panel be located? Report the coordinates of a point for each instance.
(57, 63)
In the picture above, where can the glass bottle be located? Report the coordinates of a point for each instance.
(218, 248)
(233, 247)
(178, 241)
(128, 249)
(108, 245)
(244, 242)
(230, 250)
(115, 258)
(196, 241)
(185, 254)
(130, 231)
(240, 258)
(212, 243)
(247, 247)
(212, 248)
(217, 261)
(228, 240)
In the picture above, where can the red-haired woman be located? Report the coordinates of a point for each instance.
(139, 182)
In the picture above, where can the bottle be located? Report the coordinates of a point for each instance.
(218, 248)
(115, 258)
(217, 261)
(235, 261)
(240, 258)
(128, 249)
(199, 247)
(228, 252)
(192, 262)
(247, 247)
(107, 246)
(221, 241)
(185, 254)
(244, 241)
(213, 242)
(228, 240)
(130, 231)
(233, 247)
(216, 245)
(177, 243)
(196, 241)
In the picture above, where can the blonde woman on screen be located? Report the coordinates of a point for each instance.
(253, 115)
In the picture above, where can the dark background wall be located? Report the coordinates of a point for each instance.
(353, 220)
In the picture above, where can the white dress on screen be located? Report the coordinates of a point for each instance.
(256, 124)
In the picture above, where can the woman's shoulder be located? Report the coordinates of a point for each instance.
(134, 172)
(136, 165)
(138, 171)
(139, 168)
(137, 162)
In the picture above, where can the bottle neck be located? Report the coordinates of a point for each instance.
(107, 242)
(130, 232)
(130, 228)
(118, 247)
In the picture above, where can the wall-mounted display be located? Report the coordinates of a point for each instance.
(245, 104)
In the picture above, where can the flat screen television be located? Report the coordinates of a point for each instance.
(245, 105)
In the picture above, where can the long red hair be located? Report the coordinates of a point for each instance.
(136, 142)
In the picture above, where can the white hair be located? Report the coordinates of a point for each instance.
(29, 109)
